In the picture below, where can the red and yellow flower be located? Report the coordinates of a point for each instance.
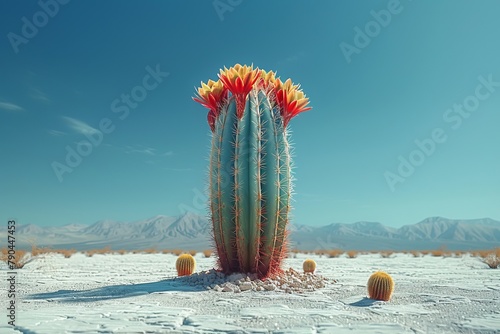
(267, 79)
(290, 99)
(240, 80)
(211, 95)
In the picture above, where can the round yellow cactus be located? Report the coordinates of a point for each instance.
(309, 266)
(185, 265)
(380, 286)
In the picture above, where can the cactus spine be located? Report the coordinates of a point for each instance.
(249, 172)
(185, 265)
(309, 266)
(380, 286)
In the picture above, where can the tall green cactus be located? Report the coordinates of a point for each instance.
(250, 175)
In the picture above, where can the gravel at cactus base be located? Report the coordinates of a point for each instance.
(140, 293)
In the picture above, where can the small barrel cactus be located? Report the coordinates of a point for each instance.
(185, 265)
(380, 286)
(250, 166)
(309, 266)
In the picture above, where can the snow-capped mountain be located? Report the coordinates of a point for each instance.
(190, 231)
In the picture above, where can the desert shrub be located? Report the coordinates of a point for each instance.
(415, 253)
(91, 252)
(437, 252)
(207, 253)
(442, 251)
(334, 253)
(386, 254)
(320, 252)
(177, 252)
(18, 259)
(66, 252)
(151, 250)
(352, 254)
(483, 253)
(105, 250)
(192, 252)
(474, 253)
(458, 253)
(36, 251)
(491, 258)
(23, 257)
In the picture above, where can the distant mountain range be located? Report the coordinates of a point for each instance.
(431, 233)
(190, 231)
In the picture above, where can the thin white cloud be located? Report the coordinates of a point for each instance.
(79, 126)
(39, 95)
(140, 149)
(292, 59)
(10, 106)
(147, 150)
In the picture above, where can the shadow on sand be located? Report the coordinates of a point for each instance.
(365, 302)
(117, 291)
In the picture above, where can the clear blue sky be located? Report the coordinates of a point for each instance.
(372, 99)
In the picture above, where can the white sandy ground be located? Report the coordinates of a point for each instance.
(137, 293)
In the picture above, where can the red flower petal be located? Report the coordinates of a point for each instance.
(238, 86)
(211, 118)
